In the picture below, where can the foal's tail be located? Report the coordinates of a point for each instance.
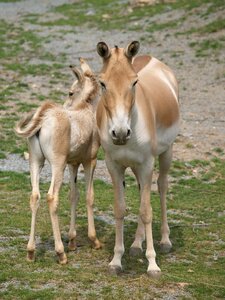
(31, 124)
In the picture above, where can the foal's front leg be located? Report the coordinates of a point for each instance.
(117, 174)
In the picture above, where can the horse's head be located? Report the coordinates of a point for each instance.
(118, 80)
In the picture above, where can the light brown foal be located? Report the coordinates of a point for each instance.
(138, 119)
(64, 135)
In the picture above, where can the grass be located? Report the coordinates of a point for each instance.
(108, 15)
(195, 267)
(206, 47)
(193, 270)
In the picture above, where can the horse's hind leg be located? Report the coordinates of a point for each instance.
(164, 165)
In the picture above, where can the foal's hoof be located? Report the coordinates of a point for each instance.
(165, 248)
(115, 270)
(30, 256)
(62, 258)
(97, 245)
(72, 246)
(135, 251)
(154, 274)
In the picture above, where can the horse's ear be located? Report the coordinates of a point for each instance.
(77, 73)
(103, 50)
(132, 49)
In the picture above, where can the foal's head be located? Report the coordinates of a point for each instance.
(118, 80)
(85, 88)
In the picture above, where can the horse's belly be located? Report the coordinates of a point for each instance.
(166, 137)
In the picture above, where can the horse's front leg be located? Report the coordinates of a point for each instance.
(117, 174)
(136, 247)
(145, 179)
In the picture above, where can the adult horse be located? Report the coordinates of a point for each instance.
(137, 119)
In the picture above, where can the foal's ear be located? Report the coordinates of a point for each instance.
(132, 49)
(77, 73)
(85, 67)
(103, 50)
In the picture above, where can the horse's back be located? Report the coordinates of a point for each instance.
(159, 89)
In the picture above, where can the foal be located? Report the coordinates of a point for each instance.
(138, 119)
(64, 135)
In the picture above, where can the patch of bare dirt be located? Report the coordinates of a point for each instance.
(201, 79)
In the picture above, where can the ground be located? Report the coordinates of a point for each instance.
(201, 77)
(40, 39)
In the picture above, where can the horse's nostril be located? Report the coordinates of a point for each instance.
(128, 132)
(114, 133)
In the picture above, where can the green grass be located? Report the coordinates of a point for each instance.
(101, 155)
(7, 1)
(207, 47)
(108, 15)
(214, 26)
(8, 137)
(193, 270)
(195, 267)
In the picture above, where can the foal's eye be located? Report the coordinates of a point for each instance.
(103, 86)
(71, 94)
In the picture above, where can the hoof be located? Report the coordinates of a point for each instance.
(134, 251)
(62, 258)
(97, 245)
(30, 256)
(165, 248)
(154, 274)
(72, 246)
(115, 270)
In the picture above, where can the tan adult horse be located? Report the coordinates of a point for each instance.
(138, 119)
(64, 135)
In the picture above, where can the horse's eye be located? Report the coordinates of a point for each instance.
(103, 86)
(71, 94)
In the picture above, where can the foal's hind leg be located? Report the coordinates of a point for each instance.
(164, 165)
(36, 163)
(53, 201)
(89, 168)
(74, 198)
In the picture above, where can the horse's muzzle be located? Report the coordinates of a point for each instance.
(120, 137)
